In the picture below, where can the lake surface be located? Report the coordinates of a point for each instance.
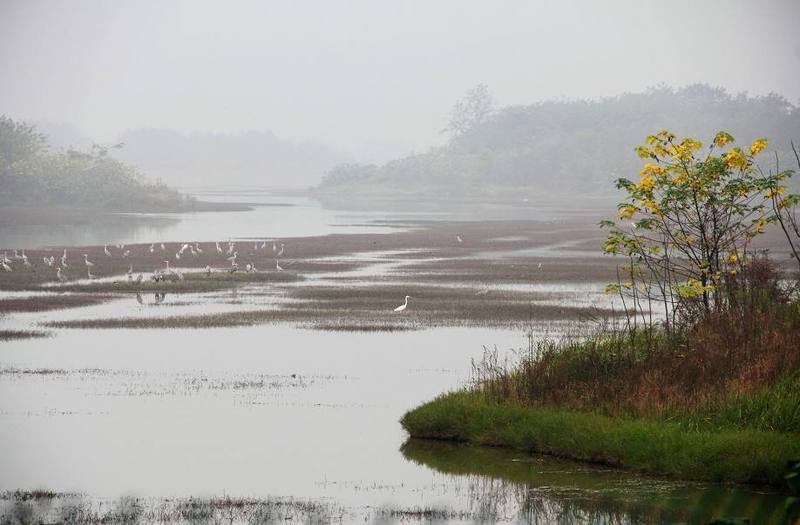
(280, 411)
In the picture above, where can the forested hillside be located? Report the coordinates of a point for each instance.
(565, 148)
(33, 175)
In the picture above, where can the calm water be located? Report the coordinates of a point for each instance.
(282, 411)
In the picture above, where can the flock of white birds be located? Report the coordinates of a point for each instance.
(163, 274)
(187, 249)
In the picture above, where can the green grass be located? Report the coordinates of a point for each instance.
(658, 447)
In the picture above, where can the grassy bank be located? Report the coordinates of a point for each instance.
(660, 447)
(717, 401)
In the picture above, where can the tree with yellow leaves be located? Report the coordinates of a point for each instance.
(687, 224)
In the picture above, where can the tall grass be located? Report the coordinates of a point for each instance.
(739, 368)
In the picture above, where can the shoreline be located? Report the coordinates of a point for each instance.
(640, 445)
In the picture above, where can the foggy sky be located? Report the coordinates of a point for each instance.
(375, 79)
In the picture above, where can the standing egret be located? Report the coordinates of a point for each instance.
(60, 275)
(219, 250)
(208, 270)
(459, 239)
(5, 266)
(402, 306)
(139, 279)
(281, 250)
(152, 248)
(6, 259)
(539, 266)
(232, 258)
(25, 259)
(263, 245)
(139, 298)
(177, 256)
(105, 250)
(64, 259)
(47, 261)
(278, 266)
(163, 248)
(197, 247)
(87, 262)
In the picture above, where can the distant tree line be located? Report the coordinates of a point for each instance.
(569, 148)
(33, 175)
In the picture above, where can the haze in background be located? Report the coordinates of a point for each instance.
(371, 81)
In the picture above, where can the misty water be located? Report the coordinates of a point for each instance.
(283, 411)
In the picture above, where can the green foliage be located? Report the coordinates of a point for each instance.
(32, 176)
(570, 149)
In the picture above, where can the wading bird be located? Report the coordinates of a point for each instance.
(163, 248)
(459, 239)
(219, 250)
(197, 247)
(232, 258)
(60, 275)
(129, 273)
(281, 251)
(278, 266)
(25, 259)
(64, 259)
(105, 250)
(47, 261)
(208, 270)
(86, 261)
(139, 298)
(5, 266)
(139, 278)
(402, 306)
(6, 259)
(152, 248)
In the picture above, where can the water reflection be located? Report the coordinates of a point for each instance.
(548, 490)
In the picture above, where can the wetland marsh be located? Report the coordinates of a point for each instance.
(275, 395)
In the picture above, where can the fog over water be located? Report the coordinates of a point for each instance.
(373, 81)
(279, 261)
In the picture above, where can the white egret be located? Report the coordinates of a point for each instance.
(197, 247)
(126, 253)
(232, 258)
(86, 261)
(47, 261)
(6, 259)
(60, 275)
(177, 256)
(5, 266)
(25, 259)
(152, 248)
(281, 251)
(163, 248)
(278, 266)
(208, 270)
(219, 250)
(263, 245)
(139, 298)
(402, 306)
(459, 239)
(105, 250)
(539, 266)
(64, 259)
